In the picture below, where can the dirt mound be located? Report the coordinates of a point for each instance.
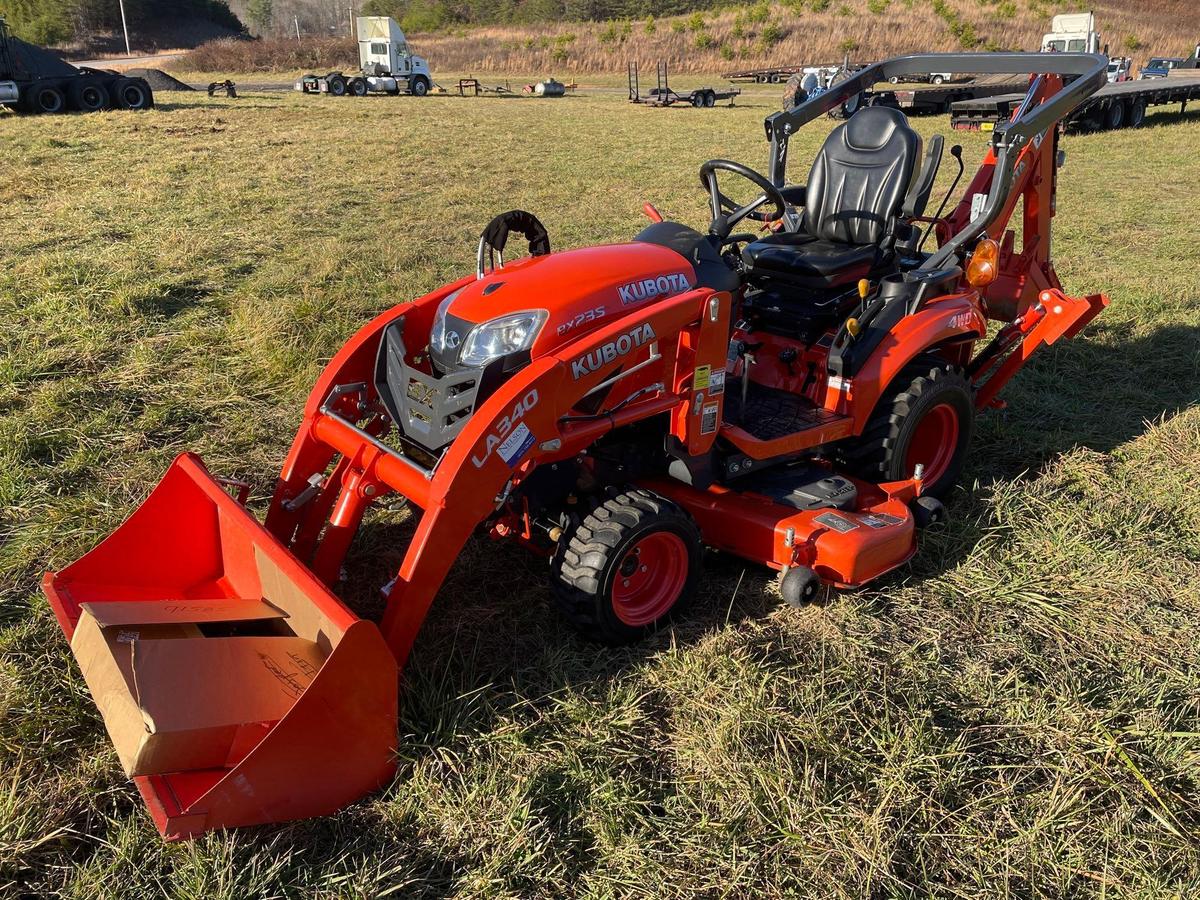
(159, 80)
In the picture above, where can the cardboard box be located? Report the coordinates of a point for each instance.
(174, 699)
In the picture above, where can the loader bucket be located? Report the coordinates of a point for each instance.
(236, 688)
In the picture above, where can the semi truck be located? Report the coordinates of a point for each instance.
(385, 65)
(34, 80)
(1072, 33)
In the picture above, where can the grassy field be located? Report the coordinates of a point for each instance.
(1015, 714)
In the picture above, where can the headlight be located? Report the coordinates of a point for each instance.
(500, 337)
(437, 335)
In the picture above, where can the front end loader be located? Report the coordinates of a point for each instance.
(800, 396)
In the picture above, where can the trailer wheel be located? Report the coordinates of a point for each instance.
(337, 85)
(710, 99)
(626, 567)
(924, 417)
(358, 87)
(938, 79)
(129, 93)
(1137, 114)
(698, 99)
(46, 98)
(87, 96)
(1114, 116)
(420, 86)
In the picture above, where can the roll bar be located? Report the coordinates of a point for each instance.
(1088, 71)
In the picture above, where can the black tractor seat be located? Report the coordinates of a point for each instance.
(855, 193)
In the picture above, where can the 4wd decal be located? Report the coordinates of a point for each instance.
(511, 435)
(637, 291)
(606, 353)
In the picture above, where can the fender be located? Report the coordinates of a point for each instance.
(945, 319)
(470, 481)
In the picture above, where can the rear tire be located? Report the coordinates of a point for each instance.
(358, 87)
(631, 563)
(87, 96)
(1137, 114)
(130, 94)
(925, 416)
(337, 85)
(1114, 117)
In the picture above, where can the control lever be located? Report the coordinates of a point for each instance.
(956, 151)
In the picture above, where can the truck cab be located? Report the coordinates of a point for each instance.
(385, 60)
(1072, 33)
(1120, 68)
(1160, 66)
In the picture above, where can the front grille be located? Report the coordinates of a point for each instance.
(428, 410)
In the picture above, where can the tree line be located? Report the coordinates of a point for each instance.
(59, 21)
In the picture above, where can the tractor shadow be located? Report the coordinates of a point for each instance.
(1097, 391)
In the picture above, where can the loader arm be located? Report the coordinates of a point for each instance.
(524, 424)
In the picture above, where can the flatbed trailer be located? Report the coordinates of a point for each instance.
(1121, 105)
(665, 95)
(773, 75)
(939, 98)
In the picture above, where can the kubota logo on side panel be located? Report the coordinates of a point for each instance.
(606, 353)
(637, 291)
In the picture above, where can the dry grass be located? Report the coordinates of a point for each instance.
(270, 55)
(790, 33)
(1015, 714)
(732, 38)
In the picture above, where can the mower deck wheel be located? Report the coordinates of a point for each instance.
(799, 586)
(928, 512)
(925, 417)
(626, 567)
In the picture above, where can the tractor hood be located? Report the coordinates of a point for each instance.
(534, 305)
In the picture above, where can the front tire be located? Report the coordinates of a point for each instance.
(420, 86)
(626, 567)
(47, 99)
(925, 417)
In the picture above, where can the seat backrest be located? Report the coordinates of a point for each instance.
(860, 177)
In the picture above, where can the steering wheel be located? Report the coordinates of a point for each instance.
(726, 213)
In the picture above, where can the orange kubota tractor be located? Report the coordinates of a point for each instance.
(800, 397)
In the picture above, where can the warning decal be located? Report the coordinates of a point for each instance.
(708, 421)
(716, 383)
(838, 523)
(701, 377)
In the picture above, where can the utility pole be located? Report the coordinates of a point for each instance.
(296, 20)
(125, 28)
(350, 10)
